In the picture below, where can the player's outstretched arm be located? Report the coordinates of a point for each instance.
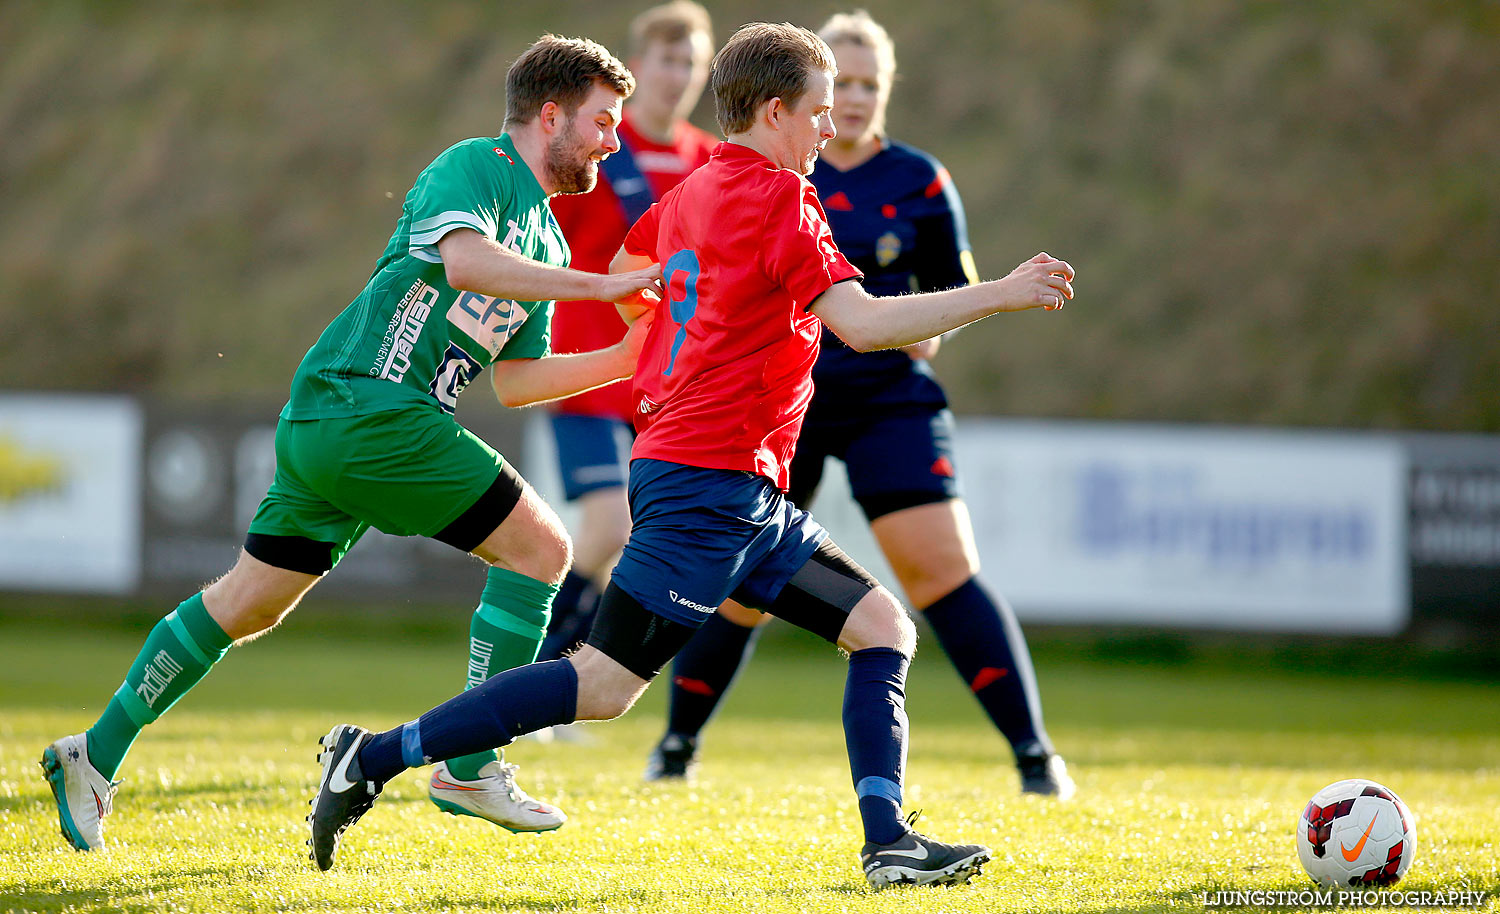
(523, 382)
(474, 263)
(867, 323)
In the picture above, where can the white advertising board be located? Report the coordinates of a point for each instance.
(69, 493)
(1200, 527)
(1082, 522)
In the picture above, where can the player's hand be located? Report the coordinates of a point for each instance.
(632, 287)
(1041, 282)
(923, 350)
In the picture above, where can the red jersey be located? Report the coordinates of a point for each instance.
(594, 224)
(726, 372)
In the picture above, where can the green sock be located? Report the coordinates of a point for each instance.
(506, 631)
(178, 652)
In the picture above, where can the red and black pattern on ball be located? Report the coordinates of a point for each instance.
(1385, 874)
(1406, 822)
(1320, 822)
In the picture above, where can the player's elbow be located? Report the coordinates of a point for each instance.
(858, 337)
(852, 314)
(458, 270)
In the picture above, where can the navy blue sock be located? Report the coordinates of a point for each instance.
(703, 672)
(572, 616)
(875, 732)
(980, 634)
(488, 716)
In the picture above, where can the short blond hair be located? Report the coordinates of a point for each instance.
(859, 29)
(762, 61)
(669, 23)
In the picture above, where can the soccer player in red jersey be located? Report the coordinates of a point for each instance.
(895, 214)
(671, 46)
(749, 269)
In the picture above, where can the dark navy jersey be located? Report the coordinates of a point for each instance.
(899, 220)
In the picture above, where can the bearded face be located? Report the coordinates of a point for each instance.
(571, 163)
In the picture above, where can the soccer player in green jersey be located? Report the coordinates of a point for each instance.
(368, 437)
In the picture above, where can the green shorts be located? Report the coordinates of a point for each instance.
(407, 472)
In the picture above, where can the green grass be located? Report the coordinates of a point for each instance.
(1190, 778)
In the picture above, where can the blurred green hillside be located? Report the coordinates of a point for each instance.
(1281, 213)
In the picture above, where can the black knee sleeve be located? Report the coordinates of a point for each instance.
(823, 592)
(634, 636)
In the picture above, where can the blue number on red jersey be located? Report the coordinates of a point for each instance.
(681, 296)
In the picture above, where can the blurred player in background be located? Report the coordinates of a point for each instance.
(368, 437)
(750, 268)
(671, 46)
(897, 217)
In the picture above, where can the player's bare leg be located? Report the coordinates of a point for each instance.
(253, 597)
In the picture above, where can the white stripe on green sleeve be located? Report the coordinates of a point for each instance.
(426, 233)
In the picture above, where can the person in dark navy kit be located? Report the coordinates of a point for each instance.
(750, 271)
(895, 214)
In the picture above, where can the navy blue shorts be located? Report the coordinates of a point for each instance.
(894, 461)
(699, 536)
(592, 452)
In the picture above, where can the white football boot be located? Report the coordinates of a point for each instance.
(84, 796)
(494, 796)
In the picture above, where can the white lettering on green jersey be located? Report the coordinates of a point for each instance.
(409, 337)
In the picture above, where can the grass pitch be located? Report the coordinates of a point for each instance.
(1190, 779)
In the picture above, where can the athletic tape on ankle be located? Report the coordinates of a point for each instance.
(411, 744)
(879, 787)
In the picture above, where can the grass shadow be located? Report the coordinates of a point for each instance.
(141, 893)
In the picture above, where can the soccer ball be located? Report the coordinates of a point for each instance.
(1356, 833)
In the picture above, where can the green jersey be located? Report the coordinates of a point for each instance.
(410, 338)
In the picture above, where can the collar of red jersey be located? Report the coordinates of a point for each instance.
(729, 148)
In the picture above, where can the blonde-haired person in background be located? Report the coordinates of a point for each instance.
(895, 214)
